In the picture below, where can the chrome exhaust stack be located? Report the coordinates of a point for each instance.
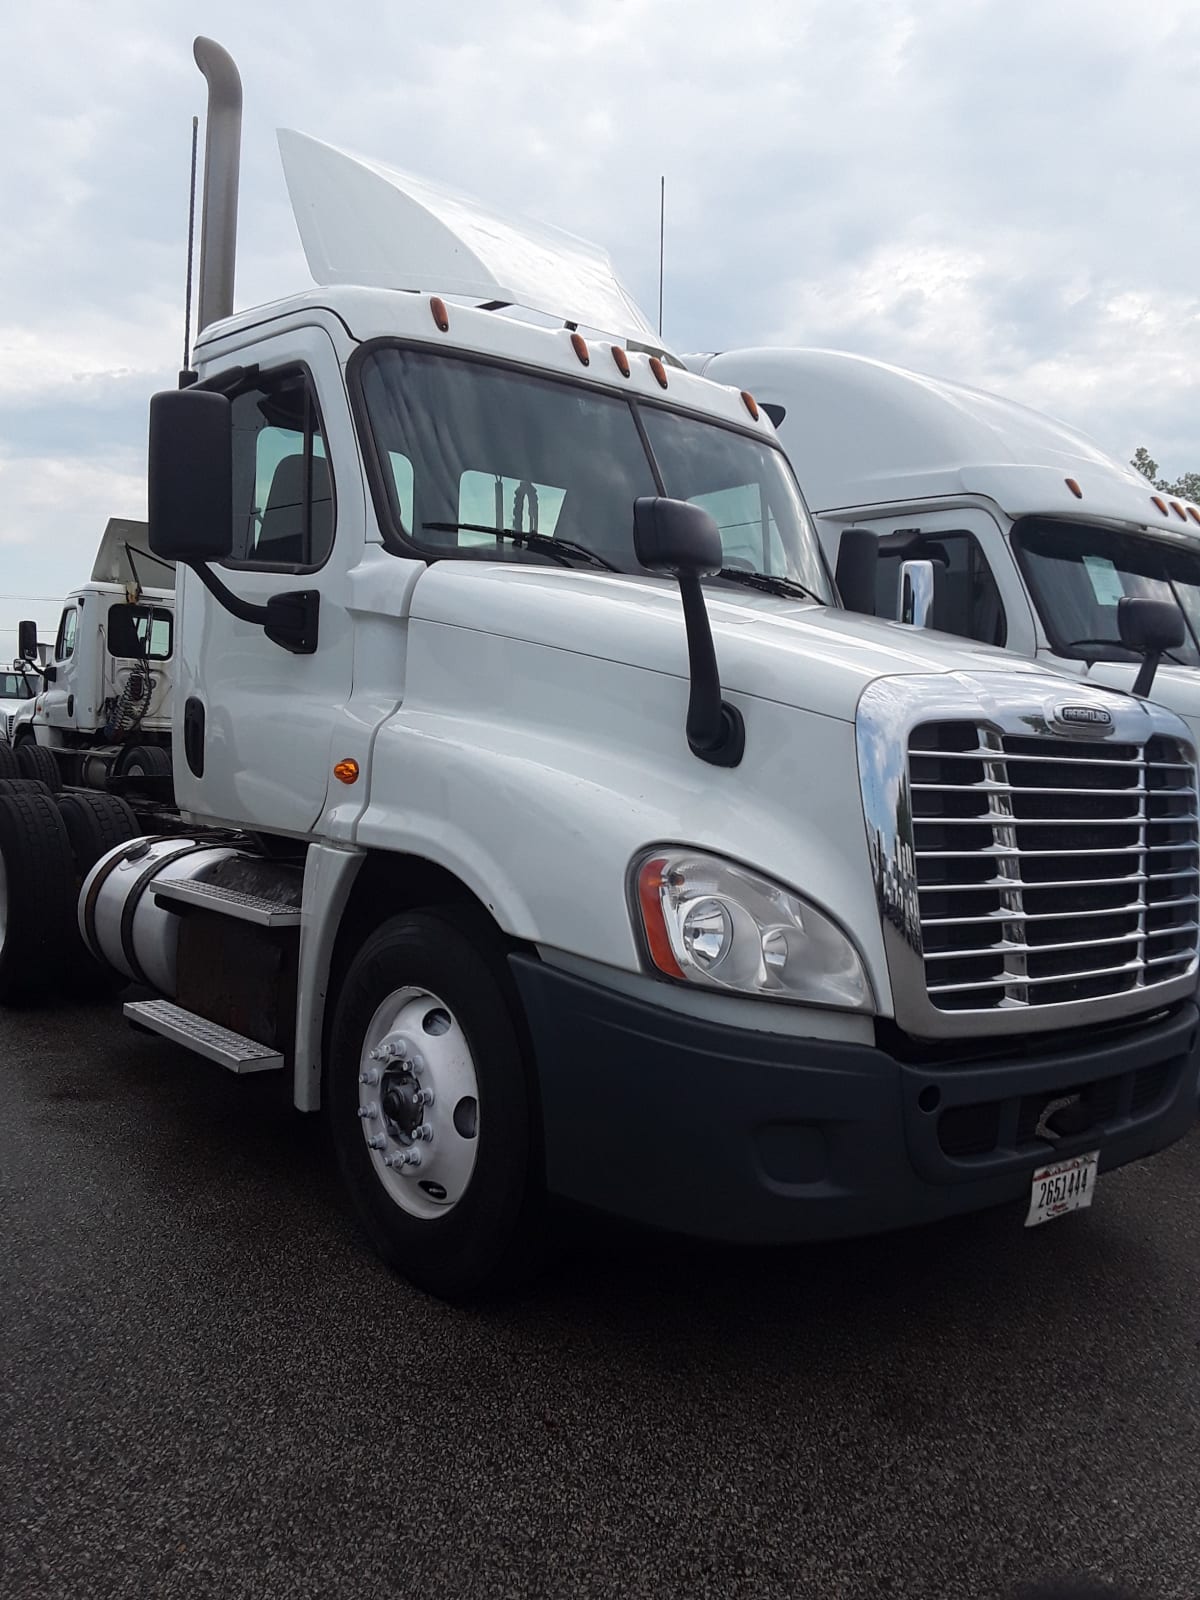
(222, 164)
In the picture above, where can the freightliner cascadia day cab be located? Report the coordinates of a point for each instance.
(1030, 534)
(544, 819)
(101, 714)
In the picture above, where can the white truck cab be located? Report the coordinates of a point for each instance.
(18, 685)
(102, 709)
(542, 819)
(1036, 534)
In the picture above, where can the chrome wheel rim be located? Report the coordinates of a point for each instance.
(418, 1102)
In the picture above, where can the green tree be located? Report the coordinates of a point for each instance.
(1185, 488)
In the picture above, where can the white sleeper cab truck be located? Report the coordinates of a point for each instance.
(953, 508)
(101, 716)
(544, 820)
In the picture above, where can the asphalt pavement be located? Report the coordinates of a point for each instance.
(208, 1386)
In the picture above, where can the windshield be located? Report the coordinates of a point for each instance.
(15, 686)
(469, 452)
(1077, 574)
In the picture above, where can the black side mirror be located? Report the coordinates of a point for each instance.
(27, 641)
(858, 551)
(675, 537)
(1151, 627)
(191, 476)
(123, 639)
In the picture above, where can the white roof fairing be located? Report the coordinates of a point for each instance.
(370, 225)
(862, 432)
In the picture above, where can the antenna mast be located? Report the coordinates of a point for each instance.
(662, 220)
(187, 306)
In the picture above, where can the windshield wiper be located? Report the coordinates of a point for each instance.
(561, 549)
(769, 583)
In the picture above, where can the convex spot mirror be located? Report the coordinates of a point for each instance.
(1149, 625)
(676, 537)
(190, 488)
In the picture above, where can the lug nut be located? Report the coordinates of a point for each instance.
(377, 1142)
(424, 1097)
(402, 1159)
(369, 1113)
(371, 1076)
(424, 1133)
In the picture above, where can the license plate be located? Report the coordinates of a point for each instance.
(1064, 1186)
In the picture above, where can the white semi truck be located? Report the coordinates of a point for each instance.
(100, 717)
(558, 844)
(1019, 530)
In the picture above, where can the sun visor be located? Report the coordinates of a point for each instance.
(366, 224)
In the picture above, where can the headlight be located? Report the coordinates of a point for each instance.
(712, 923)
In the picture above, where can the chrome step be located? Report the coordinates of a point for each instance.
(230, 903)
(205, 1038)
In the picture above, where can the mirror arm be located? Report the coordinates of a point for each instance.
(244, 610)
(716, 731)
(1144, 681)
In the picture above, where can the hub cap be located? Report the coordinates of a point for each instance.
(418, 1102)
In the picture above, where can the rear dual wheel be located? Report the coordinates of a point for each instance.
(432, 1110)
(48, 844)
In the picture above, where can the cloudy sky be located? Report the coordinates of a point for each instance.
(1001, 191)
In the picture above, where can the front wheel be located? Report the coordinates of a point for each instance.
(432, 1111)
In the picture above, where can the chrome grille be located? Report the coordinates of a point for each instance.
(1051, 869)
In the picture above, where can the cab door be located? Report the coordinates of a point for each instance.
(255, 724)
(56, 703)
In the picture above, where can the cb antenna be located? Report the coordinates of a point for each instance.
(662, 221)
(187, 306)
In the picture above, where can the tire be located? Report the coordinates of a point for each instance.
(37, 898)
(425, 976)
(95, 823)
(145, 761)
(23, 786)
(8, 761)
(35, 761)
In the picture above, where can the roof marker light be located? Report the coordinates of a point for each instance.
(440, 315)
(1193, 513)
(621, 359)
(659, 371)
(750, 403)
(1178, 510)
(1074, 488)
(1157, 499)
(579, 345)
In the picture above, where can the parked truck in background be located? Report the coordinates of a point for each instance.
(1031, 535)
(101, 714)
(543, 820)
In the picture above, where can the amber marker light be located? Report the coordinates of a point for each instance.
(750, 403)
(440, 315)
(1074, 488)
(659, 371)
(346, 771)
(650, 886)
(621, 359)
(579, 345)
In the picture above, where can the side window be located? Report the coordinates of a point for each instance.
(64, 646)
(283, 505)
(966, 600)
(749, 537)
(488, 500)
